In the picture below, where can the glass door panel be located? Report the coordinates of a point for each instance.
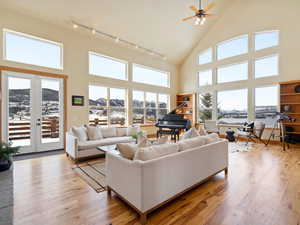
(19, 112)
(50, 111)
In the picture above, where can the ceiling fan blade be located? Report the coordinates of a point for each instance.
(187, 18)
(209, 15)
(194, 8)
(209, 7)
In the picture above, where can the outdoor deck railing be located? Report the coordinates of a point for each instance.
(22, 130)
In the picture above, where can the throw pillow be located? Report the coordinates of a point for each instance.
(80, 133)
(155, 151)
(94, 133)
(128, 150)
(202, 131)
(109, 132)
(190, 133)
(191, 143)
(132, 130)
(121, 131)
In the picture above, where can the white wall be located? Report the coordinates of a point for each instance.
(76, 47)
(246, 17)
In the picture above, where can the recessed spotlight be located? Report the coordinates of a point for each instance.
(75, 26)
(93, 31)
(117, 40)
(136, 46)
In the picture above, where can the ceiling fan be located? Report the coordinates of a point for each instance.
(200, 14)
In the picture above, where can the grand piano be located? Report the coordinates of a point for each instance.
(172, 124)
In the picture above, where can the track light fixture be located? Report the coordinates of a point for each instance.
(118, 40)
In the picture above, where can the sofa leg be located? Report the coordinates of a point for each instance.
(226, 171)
(143, 218)
(108, 191)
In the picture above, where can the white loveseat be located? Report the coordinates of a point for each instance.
(146, 185)
(78, 147)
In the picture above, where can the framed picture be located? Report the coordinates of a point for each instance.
(77, 100)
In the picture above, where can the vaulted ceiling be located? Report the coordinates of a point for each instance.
(154, 24)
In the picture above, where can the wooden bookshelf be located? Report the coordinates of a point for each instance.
(188, 112)
(289, 97)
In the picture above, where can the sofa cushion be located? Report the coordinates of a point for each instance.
(94, 133)
(190, 133)
(109, 132)
(128, 150)
(80, 133)
(105, 141)
(211, 138)
(121, 131)
(191, 143)
(132, 130)
(155, 151)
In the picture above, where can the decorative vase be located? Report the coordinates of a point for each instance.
(286, 108)
(5, 164)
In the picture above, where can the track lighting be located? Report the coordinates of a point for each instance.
(117, 39)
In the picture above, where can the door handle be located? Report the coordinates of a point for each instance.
(38, 124)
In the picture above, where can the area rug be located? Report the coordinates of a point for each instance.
(93, 173)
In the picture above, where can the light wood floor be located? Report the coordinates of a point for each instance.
(262, 188)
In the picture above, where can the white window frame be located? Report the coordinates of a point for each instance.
(199, 79)
(228, 65)
(263, 57)
(110, 58)
(5, 30)
(203, 51)
(262, 32)
(229, 40)
(108, 107)
(145, 107)
(154, 69)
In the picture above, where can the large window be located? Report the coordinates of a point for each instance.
(233, 47)
(146, 75)
(234, 72)
(107, 106)
(205, 106)
(205, 77)
(232, 106)
(105, 66)
(266, 102)
(266, 39)
(32, 50)
(148, 106)
(205, 57)
(266, 67)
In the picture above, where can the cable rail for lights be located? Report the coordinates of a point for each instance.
(118, 40)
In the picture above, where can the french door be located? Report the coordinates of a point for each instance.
(33, 111)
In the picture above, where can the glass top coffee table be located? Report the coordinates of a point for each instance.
(109, 148)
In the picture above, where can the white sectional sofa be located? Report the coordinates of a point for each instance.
(146, 185)
(79, 143)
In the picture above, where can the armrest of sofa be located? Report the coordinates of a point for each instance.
(124, 176)
(72, 145)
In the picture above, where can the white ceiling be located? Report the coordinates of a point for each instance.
(154, 24)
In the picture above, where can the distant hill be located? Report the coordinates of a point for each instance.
(21, 95)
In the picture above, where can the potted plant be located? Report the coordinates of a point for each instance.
(137, 135)
(6, 151)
